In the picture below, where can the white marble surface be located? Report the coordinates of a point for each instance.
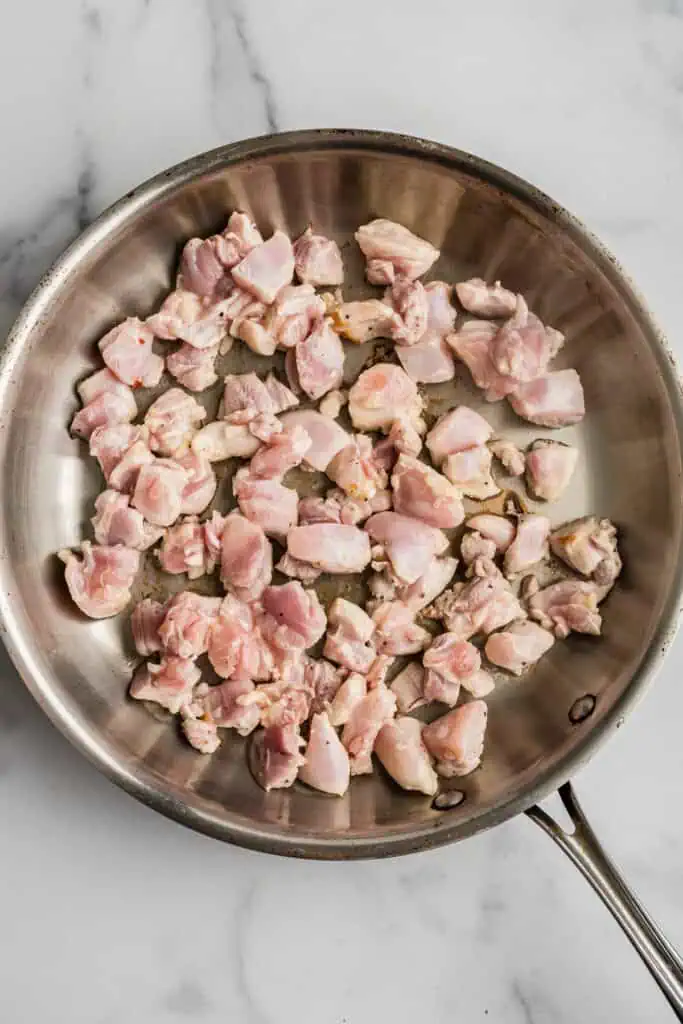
(111, 914)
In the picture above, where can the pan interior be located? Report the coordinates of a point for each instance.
(630, 470)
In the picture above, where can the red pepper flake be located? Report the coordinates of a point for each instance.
(141, 341)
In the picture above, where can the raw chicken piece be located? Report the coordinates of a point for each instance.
(317, 260)
(283, 452)
(519, 646)
(338, 507)
(332, 404)
(184, 631)
(523, 347)
(509, 455)
(400, 748)
(555, 400)
(364, 320)
(323, 680)
(529, 546)
(327, 437)
(145, 621)
(409, 300)
(266, 502)
(297, 570)
(239, 237)
(320, 360)
(246, 558)
(349, 636)
(396, 631)
(247, 395)
(347, 698)
(380, 395)
(172, 420)
(267, 268)
(452, 658)
(201, 485)
(200, 269)
(403, 439)
(109, 444)
(229, 632)
(473, 545)
(127, 351)
(355, 471)
(331, 548)
(200, 732)
(570, 605)
(363, 725)
(392, 250)
(185, 317)
(298, 615)
(295, 313)
(99, 383)
(159, 490)
(124, 476)
(487, 300)
(184, 550)
(220, 440)
(100, 581)
(549, 468)
(115, 522)
(470, 472)
(408, 544)
(327, 766)
(106, 410)
(229, 706)
(485, 604)
(456, 739)
(428, 361)
(276, 756)
(280, 395)
(169, 683)
(192, 367)
(407, 688)
(424, 590)
(421, 492)
(459, 430)
(589, 546)
(473, 343)
(496, 528)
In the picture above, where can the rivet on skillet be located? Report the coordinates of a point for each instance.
(448, 800)
(582, 708)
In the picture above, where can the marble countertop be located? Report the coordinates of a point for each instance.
(110, 913)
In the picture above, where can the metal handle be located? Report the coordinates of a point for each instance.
(583, 848)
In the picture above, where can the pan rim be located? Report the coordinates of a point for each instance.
(145, 786)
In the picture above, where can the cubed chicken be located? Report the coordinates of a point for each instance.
(159, 490)
(485, 604)
(184, 630)
(229, 631)
(473, 343)
(327, 765)
(320, 360)
(323, 680)
(298, 616)
(407, 688)
(185, 317)
(349, 636)
(115, 522)
(380, 395)
(246, 558)
(409, 301)
(221, 440)
(486, 300)
(194, 368)
(363, 726)
(430, 360)
(99, 582)
(201, 483)
(199, 730)
(401, 750)
(519, 646)
(589, 546)
(549, 468)
(172, 421)
(267, 268)
(201, 270)
(184, 550)
(555, 400)
(419, 491)
(106, 410)
(496, 528)
(145, 620)
(239, 237)
(109, 444)
(457, 431)
(276, 756)
(329, 547)
(474, 545)
(355, 471)
(124, 476)
(396, 632)
(568, 606)
(318, 261)
(509, 455)
(327, 437)
(427, 588)
(391, 250)
(530, 545)
(230, 707)
(127, 351)
(456, 739)
(169, 683)
(346, 699)
(266, 502)
(408, 544)
(366, 319)
(522, 348)
(470, 473)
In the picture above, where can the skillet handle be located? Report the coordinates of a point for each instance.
(583, 848)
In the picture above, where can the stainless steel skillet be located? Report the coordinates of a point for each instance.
(542, 728)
